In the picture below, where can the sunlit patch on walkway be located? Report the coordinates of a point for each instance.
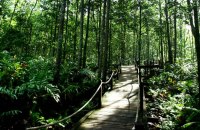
(119, 106)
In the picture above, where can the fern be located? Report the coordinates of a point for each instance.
(9, 92)
(10, 113)
(39, 88)
(53, 91)
(72, 88)
(88, 73)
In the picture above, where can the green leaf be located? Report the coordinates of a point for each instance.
(187, 125)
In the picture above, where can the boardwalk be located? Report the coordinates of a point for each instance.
(119, 108)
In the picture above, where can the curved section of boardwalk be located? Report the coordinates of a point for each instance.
(119, 108)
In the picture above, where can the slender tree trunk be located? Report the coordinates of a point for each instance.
(110, 46)
(181, 36)
(30, 26)
(170, 58)
(148, 41)
(106, 39)
(161, 35)
(66, 32)
(55, 36)
(123, 47)
(60, 42)
(103, 33)
(75, 33)
(140, 34)
(99, 41)
(86, 37)
(175, 32)
(81, 36)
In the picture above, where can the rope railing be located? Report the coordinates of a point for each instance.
(79, 110)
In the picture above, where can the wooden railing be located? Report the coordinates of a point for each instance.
(100, 90)
(145, 71)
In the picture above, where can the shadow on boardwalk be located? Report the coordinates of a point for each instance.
(119, 106)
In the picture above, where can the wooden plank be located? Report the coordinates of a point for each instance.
(119, 105)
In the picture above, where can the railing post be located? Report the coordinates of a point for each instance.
(100, 97)
(111, 83)
(120, 69)
(118, 75)
(141, 92)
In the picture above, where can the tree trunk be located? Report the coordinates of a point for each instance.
(106, 39)
(161, 36)
(148, 41)
(66, 32)
(170, 58)
(75, 32)
(140, 34)
(55, 36)
(195, 32)
(81, 35)
(197, 42)
(102, 46)
(99, 41)
(59, 46)
(86, 37)
(175, 32)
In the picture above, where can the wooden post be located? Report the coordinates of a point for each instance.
(117, 75)
(111, 84)
(141, 92)
(100, 97)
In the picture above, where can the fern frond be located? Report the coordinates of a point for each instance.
(53, 91)
(9, 92)
(190, 124)
(88, 73)
(10, 113)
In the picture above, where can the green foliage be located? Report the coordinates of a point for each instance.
(175, 95)
(8, 92)
(38, 89)
(12, 71)
(12, 40)
(23, 83)
(40, 69)
(10, 113)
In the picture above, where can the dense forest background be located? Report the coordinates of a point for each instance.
(53, 53)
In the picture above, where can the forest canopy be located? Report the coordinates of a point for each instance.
(53, 52)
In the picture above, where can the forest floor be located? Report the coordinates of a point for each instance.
(119, 106)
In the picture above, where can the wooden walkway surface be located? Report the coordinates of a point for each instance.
(119, 106)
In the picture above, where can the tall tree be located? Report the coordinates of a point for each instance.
(80, 58)
(75, 32)
(105, 59)
(175, 31)
(86, 37)
(170, 58)
(103, 33)
(60, 42)
(195, 31)
(161, 33)
(140, 33)
(99, 32)
(66, 31)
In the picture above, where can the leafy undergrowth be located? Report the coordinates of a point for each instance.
(172, 102)
(29, 97)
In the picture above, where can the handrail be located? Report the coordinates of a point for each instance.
(80, 109)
